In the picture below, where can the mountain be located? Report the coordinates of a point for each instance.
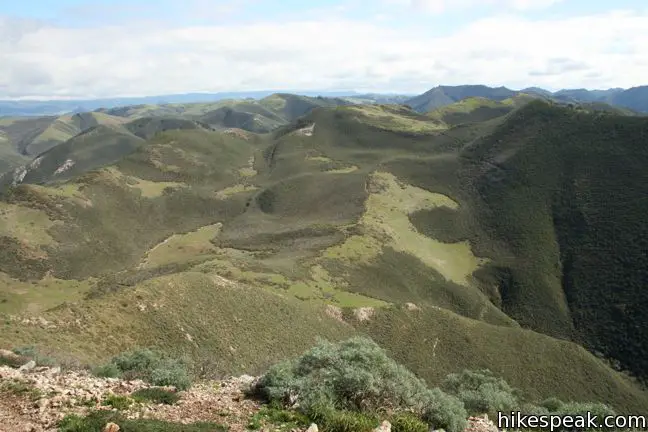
(445, 95)
(15, 108)
(504, 234)
(635, 98)
(584, 95)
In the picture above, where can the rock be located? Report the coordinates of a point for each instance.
(385, 426)
(54, 371)
(111, 427)
(312, 428)
(28, 366)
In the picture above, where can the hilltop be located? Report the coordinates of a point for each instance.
(473, 236)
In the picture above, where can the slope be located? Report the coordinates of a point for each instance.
(238, 249)
(565, 194)
(36, 135)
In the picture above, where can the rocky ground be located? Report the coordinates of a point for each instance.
(34, 399)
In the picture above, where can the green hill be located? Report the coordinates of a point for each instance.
(468, 246)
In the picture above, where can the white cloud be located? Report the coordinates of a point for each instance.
(441, 6)
(43, 61)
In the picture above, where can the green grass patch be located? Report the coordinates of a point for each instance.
(183, 247)
(96, 420)
(118, 402)
(21, 389)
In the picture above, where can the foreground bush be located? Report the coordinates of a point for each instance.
(333, 383)
(147, 365)
(482, 392)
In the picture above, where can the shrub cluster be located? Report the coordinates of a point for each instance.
(148, 365)
(352, 385)
(482, 392)
(332, 383)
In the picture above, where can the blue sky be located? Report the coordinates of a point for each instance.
(91, 48)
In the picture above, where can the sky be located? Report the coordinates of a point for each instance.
(55, 49)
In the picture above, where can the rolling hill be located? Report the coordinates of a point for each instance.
(503, 234)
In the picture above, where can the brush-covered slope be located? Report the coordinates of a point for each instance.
(564, 193)
(635, 98)
(239, 249)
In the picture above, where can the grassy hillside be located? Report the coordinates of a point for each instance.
(238, 249)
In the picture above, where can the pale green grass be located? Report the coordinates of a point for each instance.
(25, 224)
(248, 171)
(345, 170)
(183, 247)
(232, 190)
(385, 118)
(69, 191)
(319, 159)
(323, 287)
(386, 223)
(32, 298)
(151, 189)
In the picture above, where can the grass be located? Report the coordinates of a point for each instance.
(394, 119)
(239, 188)
(182, 247)
(27, 224)
(386, 221)
(33, 298)
(224, 328)
(151, 189)
(22, 389)
(96, 420)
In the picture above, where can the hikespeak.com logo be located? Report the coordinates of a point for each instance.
(515, 420)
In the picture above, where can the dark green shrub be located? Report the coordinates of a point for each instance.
(583, 408)
(333, 382)
(407, 422)
(118, 402)
(481, 391)
(156, 395)
(148, 365)
(443, 411)
(109, 370)
(552, 404)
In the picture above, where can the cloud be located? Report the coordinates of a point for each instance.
(442, 6)
(41, 60)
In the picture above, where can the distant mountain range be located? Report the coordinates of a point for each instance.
(635, 98)
(23, 108)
